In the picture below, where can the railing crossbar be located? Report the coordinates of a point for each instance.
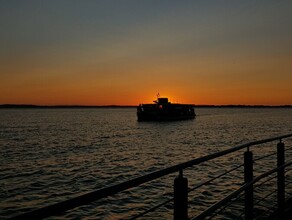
(217, 205)
(151, 209)
(265, 197)
(223, 207)
(265, 156)
(214, 178)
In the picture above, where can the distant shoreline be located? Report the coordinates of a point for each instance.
(17, 106)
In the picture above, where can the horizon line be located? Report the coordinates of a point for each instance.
(130, 106)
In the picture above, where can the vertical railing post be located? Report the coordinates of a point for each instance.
(180, 197)
(281, 179)
(248, 176)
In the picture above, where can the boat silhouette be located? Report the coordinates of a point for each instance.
(163, 110)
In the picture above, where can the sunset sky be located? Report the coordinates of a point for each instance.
(124, 52)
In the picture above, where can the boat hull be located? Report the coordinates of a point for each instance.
(163, 118)
(166, 112)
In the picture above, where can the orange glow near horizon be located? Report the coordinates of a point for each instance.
(92, 98)
(208, 82)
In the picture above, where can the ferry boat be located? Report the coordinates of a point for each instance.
(163, 110)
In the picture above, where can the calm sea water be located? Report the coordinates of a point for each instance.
(49, 155)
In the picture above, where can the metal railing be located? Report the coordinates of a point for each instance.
(181, 190)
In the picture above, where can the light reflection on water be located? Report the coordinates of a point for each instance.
(49, 155)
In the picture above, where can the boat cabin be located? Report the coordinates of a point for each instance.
(162, 101)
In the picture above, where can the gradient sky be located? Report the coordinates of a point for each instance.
(124, 52)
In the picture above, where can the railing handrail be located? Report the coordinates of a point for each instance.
(111, 190)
